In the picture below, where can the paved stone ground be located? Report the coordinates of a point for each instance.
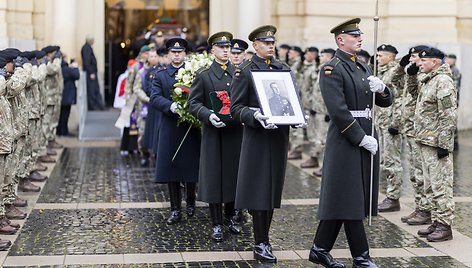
(99, 209)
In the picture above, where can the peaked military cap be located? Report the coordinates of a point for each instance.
(28, 54)
(238, 45)
(263, 33)
(176, 44)
(348, 27)
(388, 48)
(417, 49)
(431, 53)
(328, 50)
(39, 54)
(220, 39)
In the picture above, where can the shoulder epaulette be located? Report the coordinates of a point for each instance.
(330, 65)
(242, 66)
(201, 70)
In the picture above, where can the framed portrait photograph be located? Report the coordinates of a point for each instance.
(278, 97)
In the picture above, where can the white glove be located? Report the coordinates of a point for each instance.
(303, 125)
(376, 85)
(261, 118)
(215, 121)
(370, 144)
(173, 107)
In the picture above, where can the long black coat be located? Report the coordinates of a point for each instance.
(345, 184)
(89, 63)
(185, 166)
(263, 157)
(219, 155)
(151, 132)
(69, 95)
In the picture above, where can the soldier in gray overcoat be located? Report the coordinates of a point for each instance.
(221, 136)
(347, 86)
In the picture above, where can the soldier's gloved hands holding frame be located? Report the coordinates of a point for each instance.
(261, 118)
(370, 144)
(216, 121)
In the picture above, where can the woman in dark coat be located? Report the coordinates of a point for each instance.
(71, 74)
(221, 137)
(184, 168)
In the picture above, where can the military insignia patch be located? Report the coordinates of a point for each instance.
(327, 70)
(237, 72)
(447, 102)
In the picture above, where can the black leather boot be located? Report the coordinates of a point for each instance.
(262, 247)
(363, 261)
(322, 256)
(175, 200)
(216, 214)
(190, 191)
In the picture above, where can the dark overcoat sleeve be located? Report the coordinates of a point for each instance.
(241, 90)
(196, 101)
(88, 60)
(159, 97)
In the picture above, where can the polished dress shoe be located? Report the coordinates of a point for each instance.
(144, 162)
(19, 202)
(47, 159)
(12, 213)
(389, 205)
(233, 226)
(363, 261)
(323, 257)
(36, 176)
(217, 234)
(26, 186)
(263, 253)
(175, 216)
(190, 211)
(4, 244)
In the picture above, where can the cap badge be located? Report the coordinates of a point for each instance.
(269, 33)
(236, 45)
(224, 38)
(176, 44)
(383, 47)
(424, 53)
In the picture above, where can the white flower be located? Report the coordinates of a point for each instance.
(178, 91)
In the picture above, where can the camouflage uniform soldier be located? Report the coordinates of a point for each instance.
(435, 120)
(319, 125)
(58, 97)
(389, 123)
(310, 70)
(409, 62)
(295, 60)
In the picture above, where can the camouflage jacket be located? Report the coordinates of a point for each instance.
(16, 96)
(51, 84)
(436, 109)
(132, 73)
(60, 81)
(6, 120)
(296, 67)
(32, 91)
(42, 69)
(318, 104)
(310, 72)
(389, 116)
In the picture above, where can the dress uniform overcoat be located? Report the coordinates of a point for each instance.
(184, 168)
(345, 187)
(263, 157)
(152, 121)
(219, 159)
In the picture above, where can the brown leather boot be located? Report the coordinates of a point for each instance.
(26, 186)
(47, 159)
(6, 229)
(441, 233)
(36, 176)
(19, 202)
(13, 213)
(12, 224)
(422, 217)
(389, 205)
(4, 244)
(54, 145)
(429, 230)
(318, 173)
(292, 155)
(40, 167)
(409, 216)
(50, 151)
(311, 162)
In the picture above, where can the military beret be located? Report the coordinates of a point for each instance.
(263, 33)
(285, 46)
(39, 54)
(238, 45)
(350, 26)
(48, 49)
(297, 49)
(28, 54)
(176, 44)
(220, 39)
(144, 48)
(431, 53)
(3, 62)
(328, 50)
(452, 56)
(312, 49)
(388, 48)
(12, 51)
(363, 53)
(56, 48)
(417, 49)
(9, 56)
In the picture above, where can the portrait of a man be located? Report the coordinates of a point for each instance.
(279, 103)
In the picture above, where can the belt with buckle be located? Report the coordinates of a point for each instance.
(367, 113)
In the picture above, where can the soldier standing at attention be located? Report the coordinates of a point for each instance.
(221, 138)
(347, 86)
(264, 147)
(238, 51)
(295, 60)
(435, 121)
